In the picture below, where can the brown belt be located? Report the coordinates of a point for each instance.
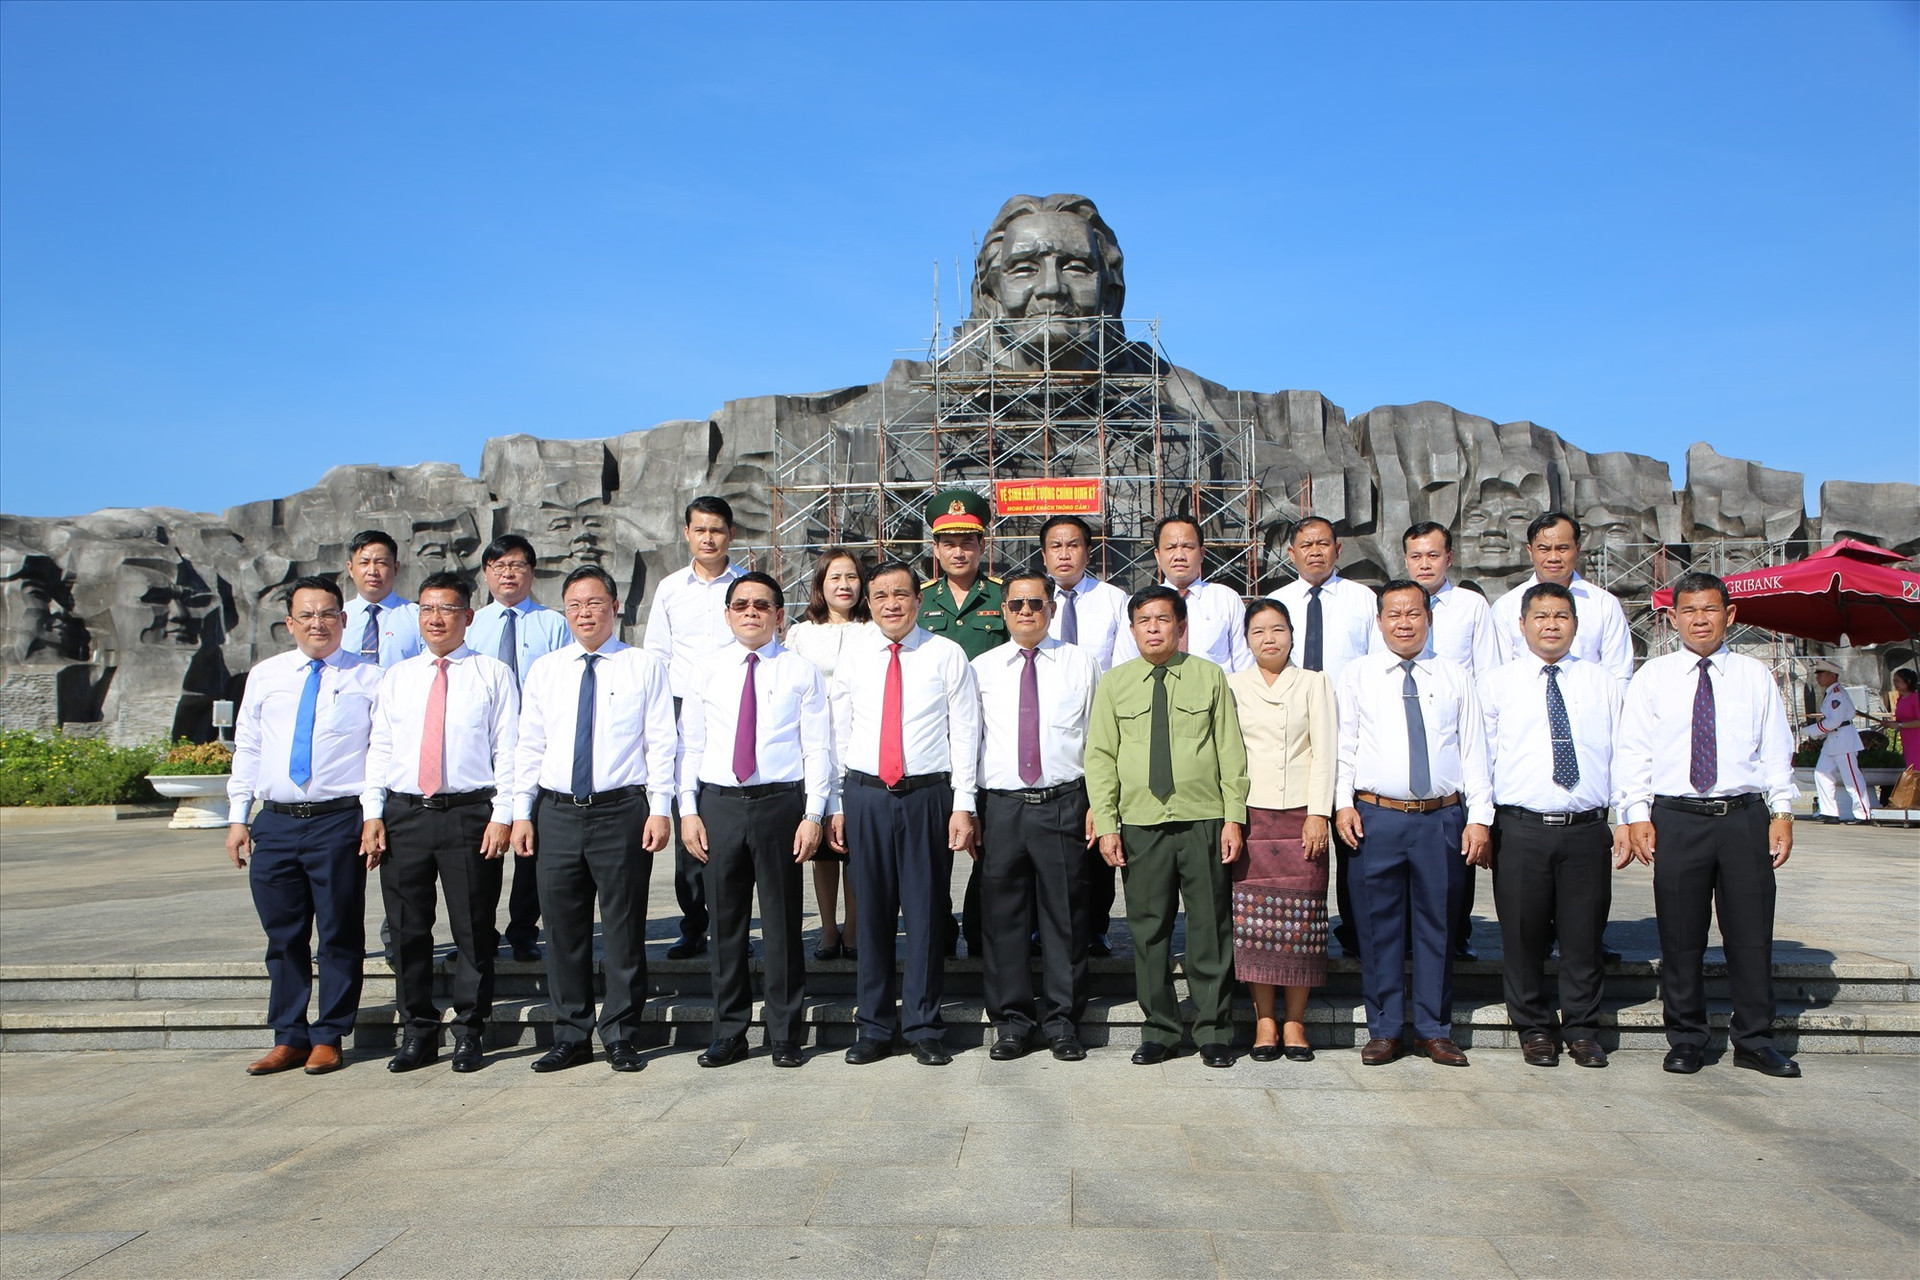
(1408, 806)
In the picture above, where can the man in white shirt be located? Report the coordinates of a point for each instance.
(686, 624)
(1553, 544)
(1334, 622)
(1092, 614)
(1550, 728)
(1215, 611)
(1035, 695)
(382, 626)
(906, 731)
(592, 787)
(1832, 727)
(300, 748)
(519, 631)
(755, 784)
(1705, 751)
(437, 805)
(1414, 800)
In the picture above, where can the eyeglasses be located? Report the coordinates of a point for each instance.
(508, 566)
(599, 604)
(326, 617)
(1025, 604)
(751, 606)
(441, 610)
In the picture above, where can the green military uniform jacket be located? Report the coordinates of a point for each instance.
(1209, 756)
(975, 624)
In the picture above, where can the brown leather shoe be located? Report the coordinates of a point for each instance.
(1536, 1049)
(1379, 1051)
(284, 1057)
(1587, 1053)
(1441, 1050)
(324, 1058)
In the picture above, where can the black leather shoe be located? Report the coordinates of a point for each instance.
(1682, 1059)
(415, 1052)
(526, 955)
(466, 1054)
(568, 1053)
(931, 1053)
(1008, 1047)
(1068, 1048)
(1537, 1050)
(687, 949)
(1586, 1053)
(828, 951)
(1264, 1053)
(865, 1051)
(622, 1056)
(1298, 1053)
(785, 1053)
(1608, 955)
(1151, 1053)
(1768, 1062)
(724, 1050)
(1465, 951)
(1216, 1055)
(1100, 946)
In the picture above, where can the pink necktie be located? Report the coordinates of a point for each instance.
(1029, 742)
(747, 727)
(433, 736)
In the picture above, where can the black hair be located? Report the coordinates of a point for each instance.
(1057, 522)
(597, 574)
(709, 505)
(894, 566)
(1424, 528)
(314, 582)
(1549, 590)
(1161, 525)
(761, 579)
(1306, 521)
(447, 580)
(1907, 674)
(1693, 582)
(1259, 605)
(368, 537)
(1405, 584)
(1032, 573)
(1147, 595)
(505, 545)
(1547, 519)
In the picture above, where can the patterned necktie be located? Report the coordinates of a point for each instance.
(1069, 616)
(583, 731)
(300, 760)
(510, 644)
(433, 735)
(1315, 628)
(893, 751)
(1159, 741)
(1566, 767)
(1419, 771)
(1029, 719)
(1705, 766)
(746, 729)
(370, 638)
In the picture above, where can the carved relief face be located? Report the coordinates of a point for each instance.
(1050, 274)
(441, 546)
(40, 625)
(567, 537)
(181, 609)
(1493, 530)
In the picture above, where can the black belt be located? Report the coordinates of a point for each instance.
(445, 800)
(596, 799)
(1718, 807)
(1039, 795)
(911, 783)
(311, 808)
(1581, 819)
(760, 792)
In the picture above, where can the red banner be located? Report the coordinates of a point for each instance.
(1060, 496)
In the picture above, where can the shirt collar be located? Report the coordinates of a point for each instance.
(1194, 588)
(394, 600)
(613, 645)
(768, 651)
(727, 574)
(1045, 649)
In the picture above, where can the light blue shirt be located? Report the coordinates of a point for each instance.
(399, 626)
(537, 631)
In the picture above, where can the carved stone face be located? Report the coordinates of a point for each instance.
(567, 537)
(40, 625)
(182, 608)
(1051, 275)
(1492, 537)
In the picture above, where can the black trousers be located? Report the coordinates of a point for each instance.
(1102, 881)
(749, 844)
(444, 844)
(1547, 879)
(308, 880)
(1703, 865)
(1033, 864)
(523, 903)
(1463, 914)
(1347, 932)
(689, 881)
(590, 854)
(901, 868)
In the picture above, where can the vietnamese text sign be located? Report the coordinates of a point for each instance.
(1063, 496)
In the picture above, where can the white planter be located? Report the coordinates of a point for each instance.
(202, 797)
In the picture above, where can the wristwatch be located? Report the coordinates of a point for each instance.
(815, 818)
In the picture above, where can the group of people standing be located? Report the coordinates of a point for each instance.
(1236, 759)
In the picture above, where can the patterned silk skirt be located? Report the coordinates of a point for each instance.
(1279, 904)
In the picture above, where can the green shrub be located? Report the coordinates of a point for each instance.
(37, 770)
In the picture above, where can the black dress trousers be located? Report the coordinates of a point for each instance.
(689, 881)
(749, 845)
(1547, 878)
(592, 854)
(1702, 865)
(1033, 864)
(902, 872)
(444, 844)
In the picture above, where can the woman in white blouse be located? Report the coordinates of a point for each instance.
(836, 606)
(1280, 884)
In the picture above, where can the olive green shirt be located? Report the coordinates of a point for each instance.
(975, 623)
(1209, 758)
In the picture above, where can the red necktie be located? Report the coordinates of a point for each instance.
(747, 728)
(893, 751)
(433, 735)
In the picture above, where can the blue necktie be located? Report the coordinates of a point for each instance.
(583, 732)
(1419, 772)
(1069, 617)
(300, 760)
(510, 646)
(1315, 627)
(1566, 767)
(370, 638)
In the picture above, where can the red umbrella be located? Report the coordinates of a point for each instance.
(1846, 591)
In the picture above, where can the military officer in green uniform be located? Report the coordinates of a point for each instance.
(963, 604)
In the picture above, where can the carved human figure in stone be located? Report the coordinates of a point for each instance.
(1046, 281)
(38, 617)
(1493, 530)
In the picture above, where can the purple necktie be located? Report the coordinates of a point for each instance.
(748, 726)
(1706, 752)
(1029, 720)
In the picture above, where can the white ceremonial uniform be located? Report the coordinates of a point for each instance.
(687, 621)
(939, 709)
(1463, 630)
(1216, 625)
(633, 735)
(1349, 619)
(1653, 754)
(263, 731)
(537, 632)
(397, 625)
(1513, 701)
(1100, 620)
(1373, 733)
(1839, 767)
(1601, 637)
(1064, 678)
(483, 713)
(793, 738)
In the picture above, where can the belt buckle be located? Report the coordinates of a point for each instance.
(433, 802)
(1719, 808)
(1557, 819)
(581, 802)
(1033, 797)
(302, 809)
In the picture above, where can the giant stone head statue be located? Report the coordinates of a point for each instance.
(1045, 282)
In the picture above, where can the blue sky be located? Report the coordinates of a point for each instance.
(242, 243)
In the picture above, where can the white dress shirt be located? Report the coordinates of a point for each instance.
(1513, 699)
(821, 642)
(1373, 733)
(633, 735)
(1064, 676)
(263, 731)
(1349, 622)
(792, 726)
(1463, 630)
(688, 622)
(1216, 625)
(1100, 617)
(398, 626)
(1753, 744)
(1834, 730)
(537, 632)
(939, 710)
(483, 711)
(1601, 637)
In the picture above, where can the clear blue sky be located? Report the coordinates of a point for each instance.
(242, 243)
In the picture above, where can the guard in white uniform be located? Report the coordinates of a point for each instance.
(1832, 727)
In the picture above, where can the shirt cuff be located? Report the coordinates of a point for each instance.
(373, 803)
(238, 811)
(1237, 814)
(1342, 798)
(660, 804)
(963, 802)
(1480, 813)
(523, 807)
(690, 804)
(1639, 811)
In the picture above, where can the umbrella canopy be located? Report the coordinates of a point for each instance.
(1849, 590)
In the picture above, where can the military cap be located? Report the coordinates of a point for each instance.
(958, 511)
